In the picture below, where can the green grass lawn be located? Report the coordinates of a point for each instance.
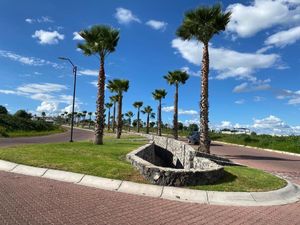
(243, 179)
(109, 161)
(21, 133)
(284, 143)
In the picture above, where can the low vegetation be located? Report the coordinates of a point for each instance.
(109, 160)
(22, 124)
(281, 143)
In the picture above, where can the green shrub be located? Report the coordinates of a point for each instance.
(3, 132)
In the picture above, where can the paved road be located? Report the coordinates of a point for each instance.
(33, 200)
(281, 164)
(61, 137)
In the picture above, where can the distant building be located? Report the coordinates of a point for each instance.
(236, 131)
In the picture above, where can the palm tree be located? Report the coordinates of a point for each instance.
(119, 86)
(175, 78)
(114, 100)
(148, 110)
(108, 105)
(138, 106)
(129, 115)
(90, 119)
(43, 115)
(202, 24)
(159, 94)
(99, 40)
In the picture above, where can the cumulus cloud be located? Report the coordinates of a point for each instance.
(125, 16)
(247, 20)
(27, 60)
(256, 85)
(49, 94)
(157, 25)
(77, 36)
(180, 111)
(48, 37)
(228, 63)
(292, 96)
(269, 125)
(283, 38)
(258, 99)
(190, 72)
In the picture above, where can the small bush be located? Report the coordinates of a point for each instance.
(3, 132)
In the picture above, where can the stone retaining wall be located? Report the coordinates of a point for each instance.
(186, 169)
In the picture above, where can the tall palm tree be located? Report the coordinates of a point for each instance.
(175, 78)
(114, 100)
(108, 105)
(148, 110)
(119, 86)
(129, 115)
(202, 24)
(90, 119)
(158, 95)
(138, 106)
(99, 40)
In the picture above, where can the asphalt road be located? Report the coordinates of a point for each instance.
(78, 135)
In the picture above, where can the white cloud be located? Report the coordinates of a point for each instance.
(180, 111)
(240, 101)
(268, 125)
(43, 19)
(88, 72)
(77, 36)
(48, 107)
(94, 83)
(27, 60)
(226, 62)
(157, 25)
(190, 72)
(255, 85)
(48, 37)
(283, 38)
(247, 20)
(41, 88)
(258, 99)
(125, 16)
(292, 96)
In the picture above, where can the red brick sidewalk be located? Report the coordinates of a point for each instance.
(32, 200)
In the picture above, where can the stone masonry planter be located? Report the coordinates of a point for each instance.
(168, 162)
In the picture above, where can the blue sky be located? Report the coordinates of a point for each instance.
(254, 71)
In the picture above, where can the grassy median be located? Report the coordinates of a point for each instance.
(109, 161)
(21, 133)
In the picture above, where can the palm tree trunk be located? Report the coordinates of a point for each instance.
(119, 127)
(138, 118)
(90, 121)
(175, 118)
(147, 131)
(99, 126)
(114, 118)
(204, 138)
(108, 120)
(129, 121)
(159, 119)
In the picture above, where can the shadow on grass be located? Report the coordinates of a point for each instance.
(227, 178)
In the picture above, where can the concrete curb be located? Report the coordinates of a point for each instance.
(264, 149)
(286, 195)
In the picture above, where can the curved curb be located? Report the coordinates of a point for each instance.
(286, 195)
(257, 148)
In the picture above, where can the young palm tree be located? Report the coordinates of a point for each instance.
(100, 40)
(108, 105)
(175, 78)
(114, 100)
(138, 106)
(159, 94)
(202, 24)
(129, 115)
(119, 86)
(90, 119)
(43, 115)
(148, 110)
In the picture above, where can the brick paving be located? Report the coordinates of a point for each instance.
(33, 200)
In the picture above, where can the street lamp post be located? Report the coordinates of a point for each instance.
(74, 91)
